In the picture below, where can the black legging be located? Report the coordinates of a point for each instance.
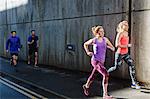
(129, 61)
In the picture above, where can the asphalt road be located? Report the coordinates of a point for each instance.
(69, 83)
(9, 93)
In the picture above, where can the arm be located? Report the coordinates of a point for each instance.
(86, 44)
(117, 39)
(37, 41)
(19, 44)
(109, 44)
(30, 41)
(7, 44)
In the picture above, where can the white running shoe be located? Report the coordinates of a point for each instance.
(135, 86)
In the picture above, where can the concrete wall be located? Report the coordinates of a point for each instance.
(140, 38)
(62, 22)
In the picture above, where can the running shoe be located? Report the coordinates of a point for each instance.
(86, 90)
(135, 86)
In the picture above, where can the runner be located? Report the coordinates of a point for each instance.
(13, 46)
(33, 47)
(122, 53)
(100, 44)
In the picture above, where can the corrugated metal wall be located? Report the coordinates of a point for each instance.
(62, 22)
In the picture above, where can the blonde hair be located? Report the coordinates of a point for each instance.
(98, 28)
(93, 30)
(120, 25)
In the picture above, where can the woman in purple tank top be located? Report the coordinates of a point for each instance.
(100, 44)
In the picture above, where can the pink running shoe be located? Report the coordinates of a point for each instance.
(86, 90)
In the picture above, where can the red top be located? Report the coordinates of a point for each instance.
(124, 41)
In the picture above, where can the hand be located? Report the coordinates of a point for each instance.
(113, 49)
(129, 45)
(19, 49)
(90, 53)
(32, 41)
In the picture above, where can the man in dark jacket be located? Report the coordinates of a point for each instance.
(13, 46)
(33, 47)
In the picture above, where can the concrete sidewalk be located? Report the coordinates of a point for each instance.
(69, 83)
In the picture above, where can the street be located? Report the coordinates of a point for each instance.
(66, 83)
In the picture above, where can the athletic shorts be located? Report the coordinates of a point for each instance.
(32, 50)
(12, 54)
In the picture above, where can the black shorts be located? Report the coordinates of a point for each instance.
(32, 50)
(12, 54)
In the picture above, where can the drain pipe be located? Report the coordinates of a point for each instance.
(130, 20)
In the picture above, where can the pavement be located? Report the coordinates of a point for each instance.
(7, 93)
(69, 83)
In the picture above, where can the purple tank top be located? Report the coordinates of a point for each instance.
(99, 49)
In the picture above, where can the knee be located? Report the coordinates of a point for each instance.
(106, 79)
(36, 54)
(115, 67)
(112, 68)
(130, 62)
(14, 57)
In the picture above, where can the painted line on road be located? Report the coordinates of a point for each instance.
(20, 89)
(40, 87)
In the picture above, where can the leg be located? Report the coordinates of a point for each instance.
(101, 69)
(14, 60)
(93, 74)
(118, 62)
(129, 61)
(17, 58)
(36, 58)
(11, 60)
(28, 59)
(90, 79)
(29, 55)
(87, 85)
